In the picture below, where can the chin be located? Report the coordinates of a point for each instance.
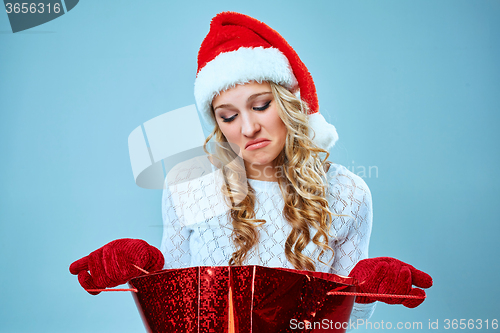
(258, 162)
(260, 158)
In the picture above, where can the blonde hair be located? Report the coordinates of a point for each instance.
(302, 181)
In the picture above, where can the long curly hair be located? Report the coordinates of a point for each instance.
(302, 181)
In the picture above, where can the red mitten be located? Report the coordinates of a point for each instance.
(113, 264)
(386, 275)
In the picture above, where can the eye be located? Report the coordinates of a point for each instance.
(230, 119)
(262, 108)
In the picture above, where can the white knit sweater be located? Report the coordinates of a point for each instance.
(197, 231)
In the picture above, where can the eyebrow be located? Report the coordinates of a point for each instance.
(252, 97)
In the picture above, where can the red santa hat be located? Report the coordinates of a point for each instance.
(239, 49)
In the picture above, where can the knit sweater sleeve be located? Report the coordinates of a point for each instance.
(351, 203)
(175, 241)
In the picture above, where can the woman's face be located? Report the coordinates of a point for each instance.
(248, 116)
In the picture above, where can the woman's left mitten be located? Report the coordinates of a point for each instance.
(385, 275)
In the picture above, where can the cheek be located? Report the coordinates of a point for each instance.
(282, 134)
(277, 126)
(229, 132)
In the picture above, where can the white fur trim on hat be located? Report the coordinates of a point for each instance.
(324, 135)
(237, 67)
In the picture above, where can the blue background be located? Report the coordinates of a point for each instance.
(412, 87)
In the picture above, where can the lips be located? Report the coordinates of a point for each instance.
(256, 141)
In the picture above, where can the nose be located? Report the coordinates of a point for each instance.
(249, 125)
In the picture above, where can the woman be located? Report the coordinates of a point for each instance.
(285, 205)
(283, 169)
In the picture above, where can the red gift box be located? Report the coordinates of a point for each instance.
(243, 299)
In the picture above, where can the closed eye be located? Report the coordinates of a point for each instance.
(262, 108)
(230, 119)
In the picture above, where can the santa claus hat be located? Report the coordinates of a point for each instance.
(239, 49)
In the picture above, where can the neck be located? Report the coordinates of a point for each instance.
(268, 173)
